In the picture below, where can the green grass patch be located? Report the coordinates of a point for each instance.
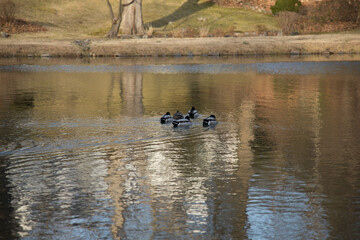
(193, 14)
(82, 18)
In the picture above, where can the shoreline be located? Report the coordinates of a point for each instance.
(325, 44)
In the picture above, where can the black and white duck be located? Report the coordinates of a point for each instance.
(167, 118)
(193, 113)
(182, 122)
(210, 121)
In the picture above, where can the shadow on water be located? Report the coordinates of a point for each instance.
(9, 225)
(19, 102)
(188, 8)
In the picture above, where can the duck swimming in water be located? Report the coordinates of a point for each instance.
(167, 118)
(182, 122)
(210, 121)
(178, 115)
(193, 113)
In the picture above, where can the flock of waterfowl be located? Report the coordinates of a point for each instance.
(178, 118)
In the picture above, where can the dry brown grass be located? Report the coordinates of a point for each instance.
(329, 11)
(218, 32)
(177, 32)
(204, 31)
(221, 32)
(149, 30)
(20, 26)
(291, 22)
(10, 24)
(190, 32)
(261, 28)
(324, 16)
(187, 32)
(7, 11)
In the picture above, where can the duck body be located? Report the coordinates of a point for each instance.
(178, 115)
(193, 113)
(182, 122)
(210, 121)
(167, 118)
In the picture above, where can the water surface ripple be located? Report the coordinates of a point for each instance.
(300, 68)
(84, 156)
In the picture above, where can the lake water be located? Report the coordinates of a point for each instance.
(84, 156)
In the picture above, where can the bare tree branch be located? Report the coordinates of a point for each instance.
(117, 20)
(127, 4)
(114, 30)
(120, 10)
(358, 11)
(110, 10)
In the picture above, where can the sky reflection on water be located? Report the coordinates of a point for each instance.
(300, 68)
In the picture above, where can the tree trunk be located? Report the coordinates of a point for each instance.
(114, 30)
(358, 11)
(132, 18)
(116, 21)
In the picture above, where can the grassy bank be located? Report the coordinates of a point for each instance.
(68, 20)
(90, 18)
(326, 44)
